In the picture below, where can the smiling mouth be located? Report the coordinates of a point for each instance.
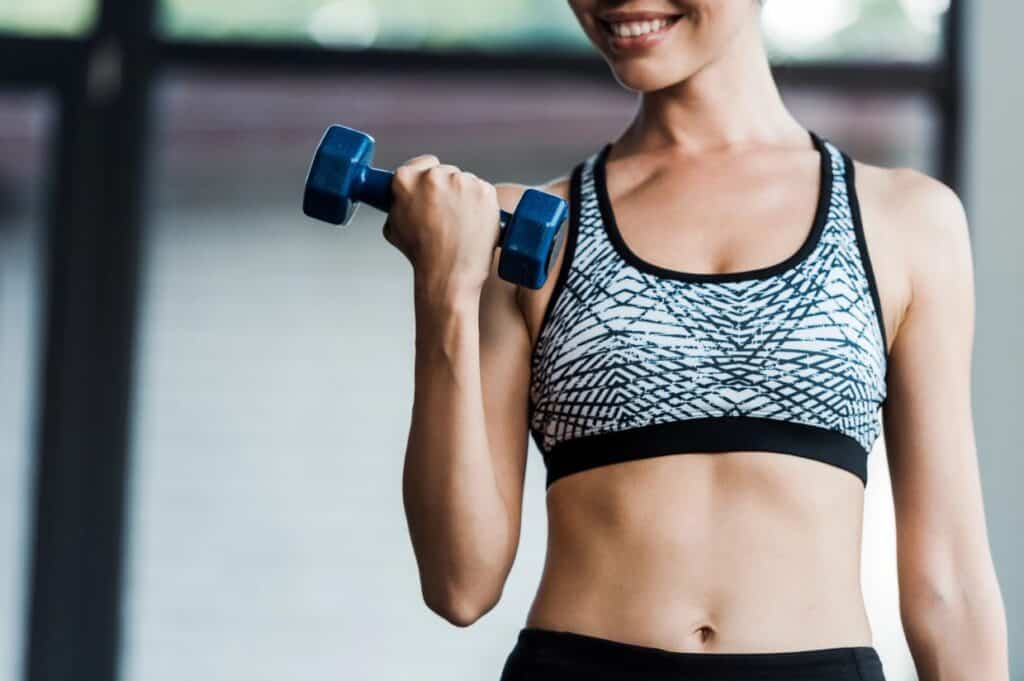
(637, 28)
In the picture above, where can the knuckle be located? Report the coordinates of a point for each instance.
(434, 176)
(439, 174)
(405, 175)
(422, 160)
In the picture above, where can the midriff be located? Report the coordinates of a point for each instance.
(720, 552)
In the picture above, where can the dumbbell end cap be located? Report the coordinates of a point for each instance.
(532, 238)
(328, 185)
(324, 206)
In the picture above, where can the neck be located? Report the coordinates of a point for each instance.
(733, 101)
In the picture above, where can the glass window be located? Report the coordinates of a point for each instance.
(836, 29)
(882, 129)
(46, 17)
(25, 120)
(267, 536)
(901, 30)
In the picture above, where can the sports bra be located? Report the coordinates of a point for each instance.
(634, 360)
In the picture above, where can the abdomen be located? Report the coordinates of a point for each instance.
(739, 551)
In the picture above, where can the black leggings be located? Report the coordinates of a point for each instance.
(548, 655)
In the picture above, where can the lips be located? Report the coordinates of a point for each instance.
(633, 30)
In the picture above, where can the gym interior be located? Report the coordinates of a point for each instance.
(204, 392)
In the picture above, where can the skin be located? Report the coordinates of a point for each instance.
(724, 552)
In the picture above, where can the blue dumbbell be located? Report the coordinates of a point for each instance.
(340, 177)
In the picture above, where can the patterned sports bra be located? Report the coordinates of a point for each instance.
(635, 361)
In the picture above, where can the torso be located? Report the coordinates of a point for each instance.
(736, 551)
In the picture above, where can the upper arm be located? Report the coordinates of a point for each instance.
(505, 374)
(505, 349)
(942, 544)
(506, 346)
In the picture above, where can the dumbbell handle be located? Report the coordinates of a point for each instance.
(372, 186)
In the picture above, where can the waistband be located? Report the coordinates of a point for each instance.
(859, 661)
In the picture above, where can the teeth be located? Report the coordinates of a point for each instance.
(629, 29)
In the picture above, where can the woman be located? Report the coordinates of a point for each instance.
(736, 304)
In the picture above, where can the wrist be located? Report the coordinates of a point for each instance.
(447, 324)
(445, 294)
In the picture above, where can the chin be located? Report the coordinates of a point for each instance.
(651, 74)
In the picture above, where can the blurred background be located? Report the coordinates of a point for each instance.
(204, 396)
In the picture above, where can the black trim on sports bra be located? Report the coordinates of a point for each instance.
(817, 226)
(711, 434)
(572, 231)
(862, 244)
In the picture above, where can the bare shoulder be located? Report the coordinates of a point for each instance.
(510, 193)
(916, 230)
(528, 301)
(924, 214)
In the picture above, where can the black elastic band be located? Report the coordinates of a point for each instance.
(712, 434)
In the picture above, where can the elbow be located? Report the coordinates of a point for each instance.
(457, 614)
(460, 609)
(930, 608)
(961, 634)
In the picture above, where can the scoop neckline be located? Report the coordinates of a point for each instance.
(607, 212)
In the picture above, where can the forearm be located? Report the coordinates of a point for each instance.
(958, 637)
(457, 520)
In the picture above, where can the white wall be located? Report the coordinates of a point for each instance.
(994, 150)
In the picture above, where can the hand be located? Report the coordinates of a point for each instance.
(445, 221)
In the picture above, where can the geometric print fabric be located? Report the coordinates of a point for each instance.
(622, 346)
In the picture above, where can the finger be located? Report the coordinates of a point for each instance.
(481, 183)
(441, 175)
(407, 173)
(445, 169)
(422, 162)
